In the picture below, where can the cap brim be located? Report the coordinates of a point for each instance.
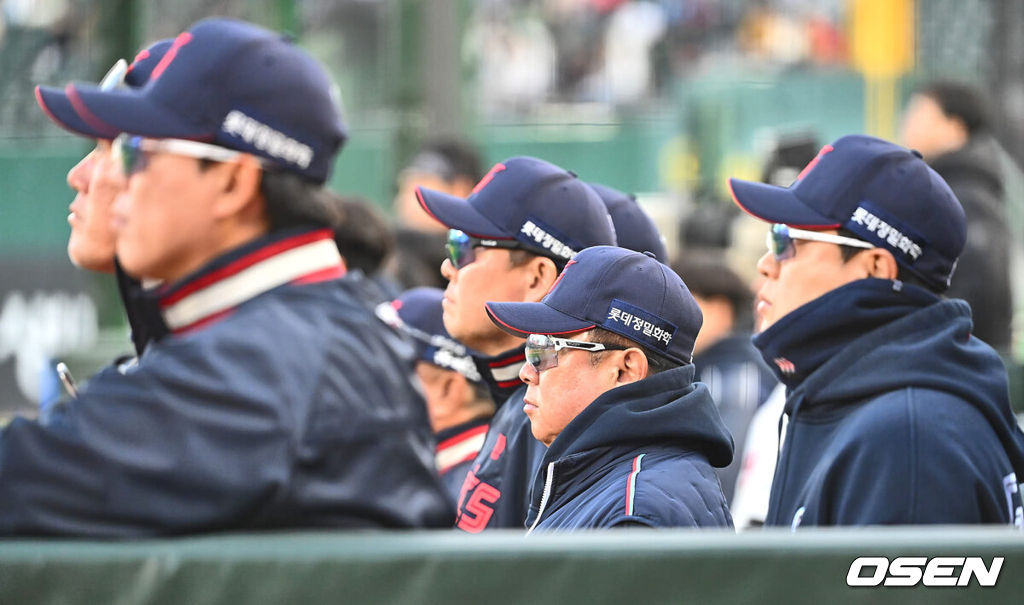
(522, 319)
(777, 205)
(457, 213)
(58, 107)
(128, 110)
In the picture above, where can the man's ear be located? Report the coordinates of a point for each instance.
(240, 185)
(881, 263)
(541, 274)
(632, 366)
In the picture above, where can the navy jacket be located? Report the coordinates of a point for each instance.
(273, 403)
(495, 490)
(897, 415)
(640, 454)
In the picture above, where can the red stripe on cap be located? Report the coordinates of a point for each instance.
(172, 53)
(142, 56)
(94, 122)
(810, 165)
(46, 108)
(245, 262)
(423, 204)
(488, 177)
(735, 199)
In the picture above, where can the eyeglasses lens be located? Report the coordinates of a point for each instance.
(460, 249)
(540, 352)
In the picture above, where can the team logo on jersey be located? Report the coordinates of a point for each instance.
(785, 366)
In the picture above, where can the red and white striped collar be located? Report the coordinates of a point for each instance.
(459, 444)
(213, 292)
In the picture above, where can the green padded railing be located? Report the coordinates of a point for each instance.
(632, 567)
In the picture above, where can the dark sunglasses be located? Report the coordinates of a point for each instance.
(542, 349)
(460, 247)
(133, 151)
(780, 240)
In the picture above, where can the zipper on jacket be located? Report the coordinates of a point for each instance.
(544, 496)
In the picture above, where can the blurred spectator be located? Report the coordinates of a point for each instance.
(458, 403)
(725, 359)
(949, 123)
(365, 241)
(449, 166)
(362, 235)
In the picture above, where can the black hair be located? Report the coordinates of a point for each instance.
(292, 200)
(655, 363)
(363, 236)
(454, 159)
(960, 101)
(902, 273)
(708, 276)
(417, 259)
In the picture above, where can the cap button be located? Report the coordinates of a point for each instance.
(917, 153)
(650, 254)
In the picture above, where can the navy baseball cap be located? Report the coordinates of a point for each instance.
(234, 84)
(884, 193)
(545, 208)
(59, 107)
(622, 291)
(417, 313)
(634, 229)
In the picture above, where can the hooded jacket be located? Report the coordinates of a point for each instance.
(897, 415)
(272, 403)
(982, 277)
(640, 454)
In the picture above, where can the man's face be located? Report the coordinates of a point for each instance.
(97, 181)
(927, 129)
(557, 395)
(489, 278)
(407, 206)
(164, 219)
(815, 269)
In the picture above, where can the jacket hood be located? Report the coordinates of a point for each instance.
(929, 347)
(665, 408)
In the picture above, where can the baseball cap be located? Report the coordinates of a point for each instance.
(634, 229)
(234, 84)
(622, 291)
(545, 208)
(59, 107)
(884, 193)
(417, 313)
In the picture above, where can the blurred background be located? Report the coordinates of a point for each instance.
(664, 98)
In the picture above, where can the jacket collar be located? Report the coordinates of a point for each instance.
(294, 256)
(501, 373)
(460, 443)
(799, 343)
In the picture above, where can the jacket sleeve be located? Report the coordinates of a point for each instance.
(179, 444)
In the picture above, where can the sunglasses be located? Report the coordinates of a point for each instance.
(133, 151)
(460, 247)
(780, 240)
(542, 350)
